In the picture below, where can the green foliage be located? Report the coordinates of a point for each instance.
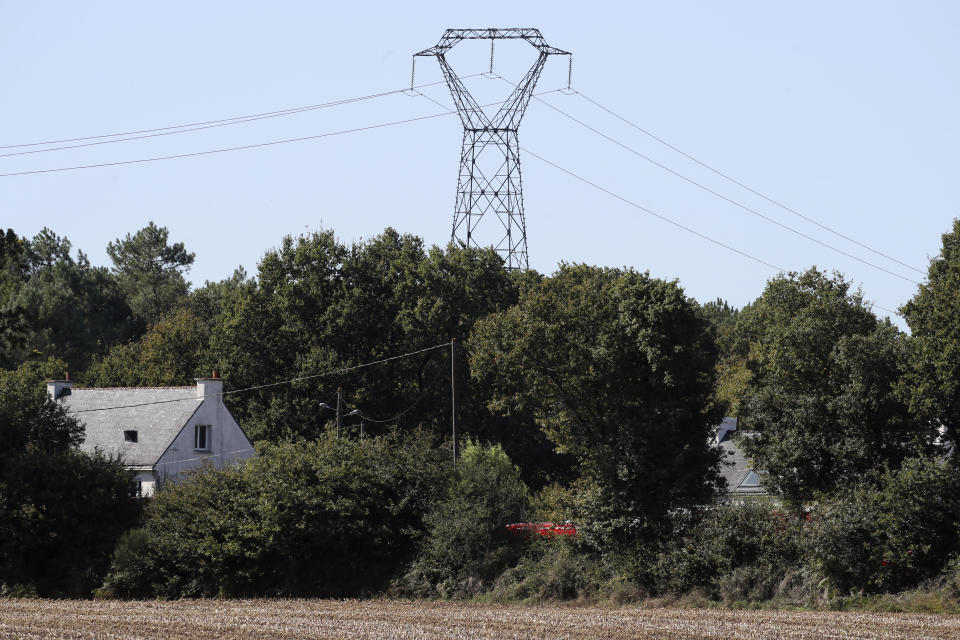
(554, 570)
(933, 383)
(320, 306)
(467, 545)
(331, 518)
(54, 305)
(150, 271)
(721, 316)
(732, 551)
(129, 567)
(29, 420)
(891, 533)
(821, 393)
(60, 510)
(60, 514)
(172, 352)
(617, 369)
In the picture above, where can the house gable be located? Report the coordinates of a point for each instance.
(153, 429)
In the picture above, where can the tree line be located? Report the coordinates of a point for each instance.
(590, 394)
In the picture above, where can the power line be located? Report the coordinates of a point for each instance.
(405, 411)
(642, 208)
(747, 187)
(270, 384)
(195, 126)
(239, 148)
(720, 195)
(664, 218)
(213, 455)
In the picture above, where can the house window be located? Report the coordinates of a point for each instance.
(129, 436)
(201, 437)
(751, 479)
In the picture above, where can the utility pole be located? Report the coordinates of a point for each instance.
(339, 400)
(489, 183)
(453, 399)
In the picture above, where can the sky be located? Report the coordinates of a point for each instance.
(845, 112)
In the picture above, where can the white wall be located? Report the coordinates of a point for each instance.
(228, 443)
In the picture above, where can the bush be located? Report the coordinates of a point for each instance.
(891, 533)
(734, 552)
(129, 567)
(331, 518)
(60, 515)
(468, 545)
(557, 569)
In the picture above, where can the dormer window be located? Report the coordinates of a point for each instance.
(129, 436)
(201, 437)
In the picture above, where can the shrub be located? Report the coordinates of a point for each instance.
(557, 569)
(734, 551)
(129, 575)
(468, 545)
(60, 516)
(331, 518)
(891, 533)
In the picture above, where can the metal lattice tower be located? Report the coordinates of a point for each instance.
(489, 184)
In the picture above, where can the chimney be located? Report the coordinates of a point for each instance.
(212, 388)
(56, 389)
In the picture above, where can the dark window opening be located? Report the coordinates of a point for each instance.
(129, 436)
(202, 437)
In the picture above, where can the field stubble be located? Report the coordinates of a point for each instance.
(308, 619)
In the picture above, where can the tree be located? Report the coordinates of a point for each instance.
(29, 420)
(617, 369)
(150, 271)
(320, 306)
(60, 510)
(54, 305)
(932, 385)
(174, 351)
(821, 396)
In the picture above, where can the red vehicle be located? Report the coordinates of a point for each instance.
(544, 529)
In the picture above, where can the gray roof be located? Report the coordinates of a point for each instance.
(735, 469)
(156, 424)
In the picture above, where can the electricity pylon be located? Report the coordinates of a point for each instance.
(489, 183)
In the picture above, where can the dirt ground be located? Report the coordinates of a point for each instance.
(308, 619)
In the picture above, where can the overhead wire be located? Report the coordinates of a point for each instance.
(668, 220)
(243, 147)
(720, 195)
(269, 384)
(650, 211)
(405, 411)
(744, 185)
(196, 126)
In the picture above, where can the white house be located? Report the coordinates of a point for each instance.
(159, 432)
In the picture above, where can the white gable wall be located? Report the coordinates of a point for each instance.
(228, 444)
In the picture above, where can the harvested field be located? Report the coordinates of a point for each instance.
(303, 619)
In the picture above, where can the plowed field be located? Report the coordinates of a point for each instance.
(305, 619)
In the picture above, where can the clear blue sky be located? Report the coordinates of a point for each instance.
(845, 111)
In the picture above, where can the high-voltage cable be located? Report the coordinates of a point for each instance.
(722, 196)
(664, 218)
(259, 145)
(195, 126)
(742, 185)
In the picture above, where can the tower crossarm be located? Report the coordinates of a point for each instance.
(453, 36)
